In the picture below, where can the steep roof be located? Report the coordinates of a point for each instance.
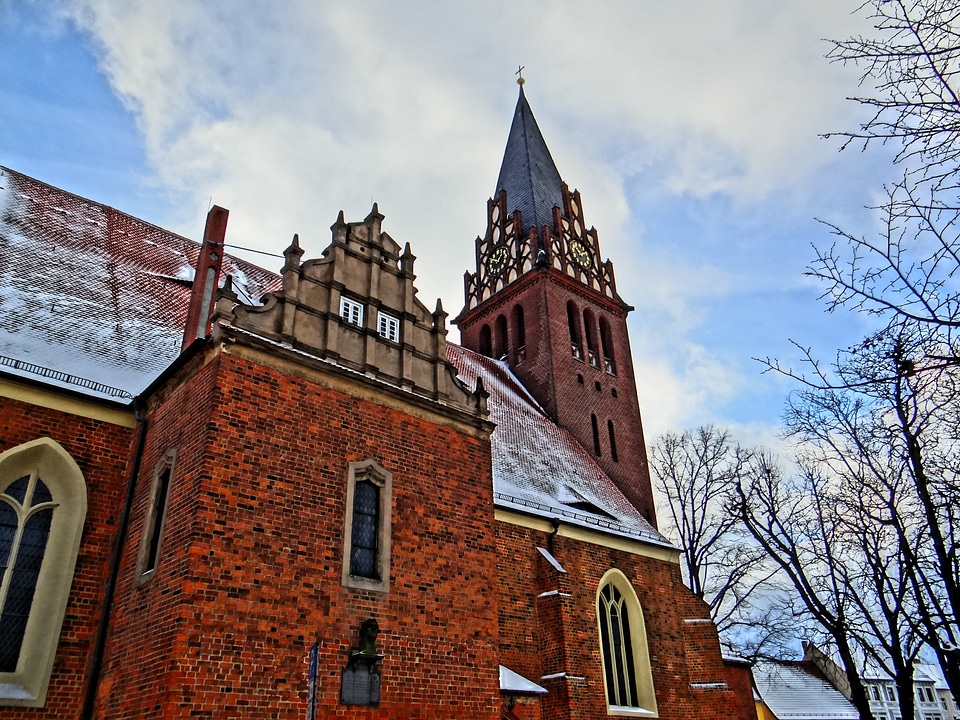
(528, 172)
(92, 299)
(793, 693)
(538, 467)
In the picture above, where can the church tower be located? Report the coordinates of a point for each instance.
(542, 301)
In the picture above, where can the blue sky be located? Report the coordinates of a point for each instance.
(691, 131)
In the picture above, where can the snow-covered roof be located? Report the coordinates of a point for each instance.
(793, 693)
(94, 301)
(538, 467)
(512, 682)
(91, 299)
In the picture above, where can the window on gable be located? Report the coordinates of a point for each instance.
(351, 311)
(155, 517)
(43, 503)
(388, 327)
(623, 643)
(366, 546)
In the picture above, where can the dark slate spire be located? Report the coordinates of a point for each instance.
(528, 173)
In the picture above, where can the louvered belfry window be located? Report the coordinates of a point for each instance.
(26, 511)
(617, 649)
(366, 529)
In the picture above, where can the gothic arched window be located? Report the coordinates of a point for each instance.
(486, 343)
(606, 344)
(502, 346)
(573, 322)
(623, 645)
(43, 503)
(590, 328)
(519, 333)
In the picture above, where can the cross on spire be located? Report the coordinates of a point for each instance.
(519, 74)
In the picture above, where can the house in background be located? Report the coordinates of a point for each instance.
(230, 492)
(933, 699)
(796, 690)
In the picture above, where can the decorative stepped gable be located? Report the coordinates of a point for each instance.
(356, 307)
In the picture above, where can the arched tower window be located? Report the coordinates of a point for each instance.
(606, 344)
(486, 344)
(623, 645)
(43, 503)
(520, 333)
(502, 346)
(573, 322)
(590, 328)
(613, 441)
(596, 435)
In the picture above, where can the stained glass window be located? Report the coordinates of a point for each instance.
(26, 510)
(366, 528)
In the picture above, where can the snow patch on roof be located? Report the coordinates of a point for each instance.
(88, 292)
(792, 693)
(539, 468)
(517, 683)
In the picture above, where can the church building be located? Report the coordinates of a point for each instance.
(229, 492)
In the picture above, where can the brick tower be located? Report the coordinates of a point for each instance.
(542, 301)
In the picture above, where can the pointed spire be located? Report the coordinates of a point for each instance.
(528, 173)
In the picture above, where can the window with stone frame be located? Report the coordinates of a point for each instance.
(43, 503)
(627, 675)
(388, 327)
(366, 537)
(156, 516)
(351, 311)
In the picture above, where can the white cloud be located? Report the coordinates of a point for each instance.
(287, 113)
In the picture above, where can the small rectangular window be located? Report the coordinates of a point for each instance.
(351, 311)
(388, 327)
(156, 514)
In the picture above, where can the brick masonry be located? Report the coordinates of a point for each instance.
(249, 568)
(548, 626)
(102, 450)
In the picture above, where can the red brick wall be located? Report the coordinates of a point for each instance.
(550, 373)
(249, 569)
(528, 627)
(101, 450)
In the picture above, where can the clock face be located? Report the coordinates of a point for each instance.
(497, 260)
(580, 254)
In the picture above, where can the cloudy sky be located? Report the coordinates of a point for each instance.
(691, 129)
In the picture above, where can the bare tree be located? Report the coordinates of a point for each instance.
(694, 472)
(878, 443)
(910, 70)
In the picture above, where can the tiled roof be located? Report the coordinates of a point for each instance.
(792, 693)
(538, 467)
(528, 172)
(92, 299)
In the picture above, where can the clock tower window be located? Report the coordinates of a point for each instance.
(596, 434)
(520, 334)
(573, 322)
(606, 344)
(613, 441)
(502, 347)
(486, 343)
(590, 326)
